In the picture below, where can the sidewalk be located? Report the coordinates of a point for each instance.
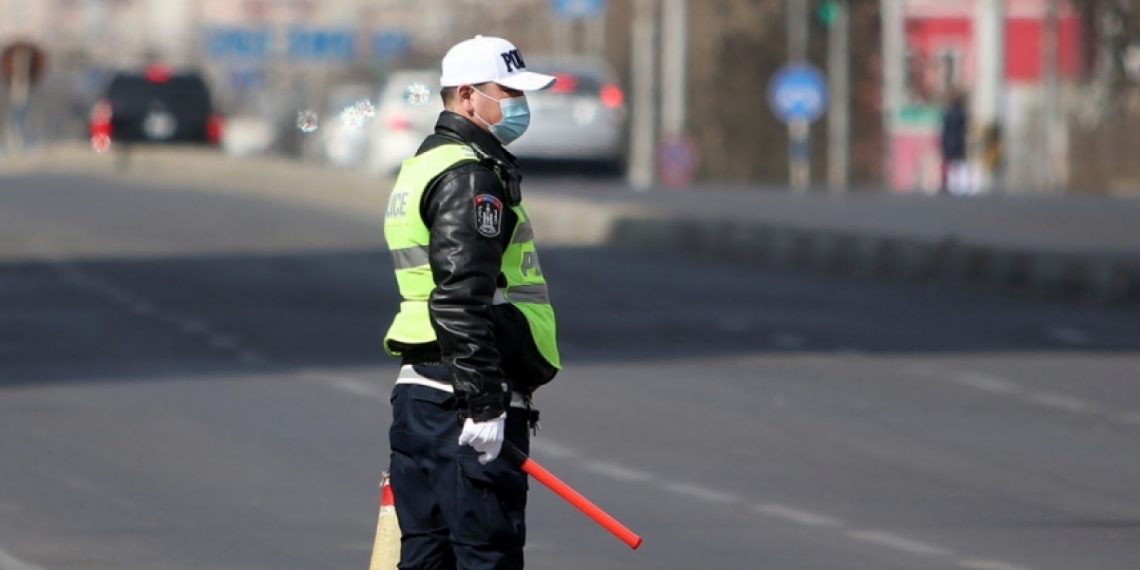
(1075, 247)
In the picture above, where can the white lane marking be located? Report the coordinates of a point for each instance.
(700, 492)
(798, 516)
(9, 562)
(222, 342)
(142, 308)
(116, 296)
(923, 370)
(734, 324)
(71, 275)
(192, 325)
(552, 450)
(355, 386)
(788, 341)
(349, 384)
(1128, 417)
(989, 565)
(1065, 334)
(896, 542)
(1052, 400)
(986, 383)
(538, 545)
(252, 357)
(618, 472)
(1063, 403)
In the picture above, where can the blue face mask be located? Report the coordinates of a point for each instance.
(516, 118)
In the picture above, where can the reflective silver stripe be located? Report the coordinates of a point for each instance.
(500, 297)
(408, 375)
(529, 294)
(408, 372)
(524, 233)
(410, 257)
(427, 382)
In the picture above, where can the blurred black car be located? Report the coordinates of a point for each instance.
(156, 106)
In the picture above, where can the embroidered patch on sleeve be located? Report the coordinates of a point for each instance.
(488, 215)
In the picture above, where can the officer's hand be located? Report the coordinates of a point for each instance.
(486, 437)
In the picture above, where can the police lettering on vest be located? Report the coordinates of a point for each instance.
(530, 263)
(397, 205)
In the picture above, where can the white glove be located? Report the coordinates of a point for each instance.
(486, 437)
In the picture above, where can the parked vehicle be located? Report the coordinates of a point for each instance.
(581, 117)
(156, 106)
(408, 107)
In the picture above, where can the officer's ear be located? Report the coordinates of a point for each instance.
(465, 99)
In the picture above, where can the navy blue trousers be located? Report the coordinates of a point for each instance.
(455, 514)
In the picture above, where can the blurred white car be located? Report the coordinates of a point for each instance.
(248, 135)
(408, 107)
(582, 116)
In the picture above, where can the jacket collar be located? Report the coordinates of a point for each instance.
(456, 126)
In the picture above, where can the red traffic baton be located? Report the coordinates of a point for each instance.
(568, 494)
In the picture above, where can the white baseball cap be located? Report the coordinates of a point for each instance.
(484, 59)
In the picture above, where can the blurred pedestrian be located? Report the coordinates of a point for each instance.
(955, 125)
(475, 332)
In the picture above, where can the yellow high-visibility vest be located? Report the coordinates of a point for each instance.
(408, 238)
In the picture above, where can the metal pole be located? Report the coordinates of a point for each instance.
(839, 83)
(674, 31)
(894, 89)
(643, 56)
(1049, 45)
(799, 132)
(596, 35)
(797, 21)
(988, 100)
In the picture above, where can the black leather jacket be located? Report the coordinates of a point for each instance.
(483, 347)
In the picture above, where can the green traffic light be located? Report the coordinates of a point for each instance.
(828, 11)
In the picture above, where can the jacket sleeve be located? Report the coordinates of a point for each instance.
(465, 262)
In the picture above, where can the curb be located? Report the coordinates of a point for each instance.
(1086, 277)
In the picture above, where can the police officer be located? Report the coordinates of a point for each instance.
(475, 331)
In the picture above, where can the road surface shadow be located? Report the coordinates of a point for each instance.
(118, 319)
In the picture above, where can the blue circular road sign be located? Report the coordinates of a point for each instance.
(798, 92)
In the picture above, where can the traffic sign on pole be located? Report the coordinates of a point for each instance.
(390, 44)
(677, 160)
(317, 44)
(798, 96)
(229, 42)
(798, 92)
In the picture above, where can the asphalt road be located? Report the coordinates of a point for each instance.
(194, 380)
